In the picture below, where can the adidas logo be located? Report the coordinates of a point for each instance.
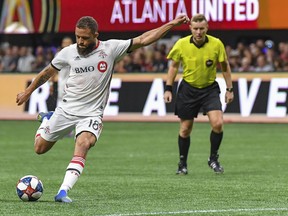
(77, 58)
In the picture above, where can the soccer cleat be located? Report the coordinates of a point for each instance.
(214, 164)
(43, 115)
(62, 197)
(182, 169)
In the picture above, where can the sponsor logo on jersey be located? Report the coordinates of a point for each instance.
(102, 54)
(84, 69)
(102, 66)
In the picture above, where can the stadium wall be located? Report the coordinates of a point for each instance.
(259, 97)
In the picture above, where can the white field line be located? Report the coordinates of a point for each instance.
(200, 211)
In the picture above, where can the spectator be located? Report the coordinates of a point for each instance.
(241, 48)
(120, 67)
(6, 59)
(149, 60)
(270, 55)
(255, 51)
(234, 60)
(10, 59)
(160, 63)
(246, 65)
(278, 64)
(1, 60)
(26, 60)
(285, 67)
(39, 50)
(163, 49)
(138, 61)
(49, 55)
(261, 45)
(127, 61)
(40, 63)
(263, 65)
(284, 53)
(228, 49)
(281, 46)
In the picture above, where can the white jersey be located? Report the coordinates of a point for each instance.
(88, 86)
(62, 79)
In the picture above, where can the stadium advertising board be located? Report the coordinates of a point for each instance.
(35, 16)
(142, 95)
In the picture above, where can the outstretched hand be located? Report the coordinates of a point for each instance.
(181, 18)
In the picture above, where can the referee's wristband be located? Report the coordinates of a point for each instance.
(229, 89)
(169, 88)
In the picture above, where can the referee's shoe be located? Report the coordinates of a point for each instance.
(182, 169)
(214, 164)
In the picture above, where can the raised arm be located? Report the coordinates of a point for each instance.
(153, 35)
(40, 79)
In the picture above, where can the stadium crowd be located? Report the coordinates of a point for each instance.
(258, 56)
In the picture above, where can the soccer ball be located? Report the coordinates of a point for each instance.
(29, 188)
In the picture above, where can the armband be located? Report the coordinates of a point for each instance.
(168, 88)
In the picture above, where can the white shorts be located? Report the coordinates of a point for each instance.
(61, 124)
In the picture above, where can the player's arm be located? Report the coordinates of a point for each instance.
(40, 79)
(172, 72)
(226, 71)
(153, 35)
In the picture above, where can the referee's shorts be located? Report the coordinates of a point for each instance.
(190, 100)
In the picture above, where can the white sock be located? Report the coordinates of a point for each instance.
(73, 172)
(41, 127)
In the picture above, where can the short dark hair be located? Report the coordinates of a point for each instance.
(88, 22)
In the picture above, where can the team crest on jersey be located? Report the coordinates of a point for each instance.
(47, 130)
(102, 54)
(102, 66)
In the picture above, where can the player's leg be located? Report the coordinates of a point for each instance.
(41, 145)
(88, 132)
(213, 108)
(184, 144)
(187, 108)
(216, 135)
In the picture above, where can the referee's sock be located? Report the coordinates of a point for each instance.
(184, 144)
(215, 140)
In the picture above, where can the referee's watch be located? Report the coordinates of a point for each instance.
(229, 89)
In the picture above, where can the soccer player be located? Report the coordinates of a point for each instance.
(199, 55)
(91, 64)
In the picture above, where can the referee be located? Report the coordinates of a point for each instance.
(199, 55)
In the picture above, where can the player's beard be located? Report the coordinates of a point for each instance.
(87, 50)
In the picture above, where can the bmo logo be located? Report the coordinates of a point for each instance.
(102, 66)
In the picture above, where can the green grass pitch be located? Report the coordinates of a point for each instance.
(131, 171)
